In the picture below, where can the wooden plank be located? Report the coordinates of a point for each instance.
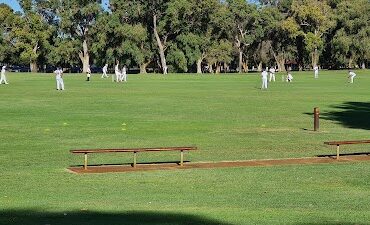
(347, 142)
(83, 151)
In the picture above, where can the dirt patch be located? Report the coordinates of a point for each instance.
(222, 164)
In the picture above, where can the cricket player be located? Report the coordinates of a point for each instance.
(124, 74)
(316, 70)
(289, 77)
(117, 73)
(351, 75)
(272, 74)
(3, 77)
(105, 70)
(264, 76)
(88, 73)
(59, 78)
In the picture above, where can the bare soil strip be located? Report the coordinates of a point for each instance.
(222, 164)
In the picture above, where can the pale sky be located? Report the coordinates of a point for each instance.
(15, 6)
(12, 3)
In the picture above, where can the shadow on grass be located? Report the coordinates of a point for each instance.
(35, 217)
(333, 223)
(349, 114)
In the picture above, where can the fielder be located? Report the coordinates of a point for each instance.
(3, 77)
(316, 69)
(117, 73)
(289, 77)
(105, 70)
(88, 73)
(59, 79)
(272, 74)
(351, 76)
(264, 75)
(124, 74)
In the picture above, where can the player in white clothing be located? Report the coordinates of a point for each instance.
(272, 74)
(117, 73)
(59, 78)
(351, 76)
(124, 74)
(88, 73)
(316, 70)
(264, 75)
(3, 77)
(289, 77)
(105, 70)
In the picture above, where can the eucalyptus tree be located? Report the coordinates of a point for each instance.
(76, 20)
(244, 17)
(351, 41)
(313, 18)
(31, 34)
(7, 17)
(192, 21)
(132, 31)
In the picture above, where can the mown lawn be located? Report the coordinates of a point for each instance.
(226, 116)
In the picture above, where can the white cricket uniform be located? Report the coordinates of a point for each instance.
(117, 73)
(316, 69)
(3, 77)
(124, 74)
(88, 74)
(264, 76)
(289, 78)
(351, 76)
(272, 74)
(59, 79)
(105, 70)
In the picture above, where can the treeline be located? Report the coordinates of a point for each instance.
(187, 35)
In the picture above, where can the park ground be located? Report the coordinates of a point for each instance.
(226, 116)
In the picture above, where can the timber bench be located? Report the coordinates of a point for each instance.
(339, 143)
(133, 150)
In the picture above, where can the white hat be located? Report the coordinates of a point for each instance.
(4, 67)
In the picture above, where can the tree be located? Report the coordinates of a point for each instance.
(243, 27)
(76, 20)
(351, 42)
(314, 19)
(7, 18)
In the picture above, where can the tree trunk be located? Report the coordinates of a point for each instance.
(199, 65)
(33, 67)
(160, 45)
(84, 57)
(259, 67)
(245, 67)
(350, 62)
(33, 63)
(143, 67)
(240, 60)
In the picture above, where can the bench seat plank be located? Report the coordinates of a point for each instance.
(347, 142)
(134, 150)
(83, 151)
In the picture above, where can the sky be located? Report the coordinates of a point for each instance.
(15, 5)
(12, 3)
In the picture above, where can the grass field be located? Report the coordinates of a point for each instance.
(226, 116)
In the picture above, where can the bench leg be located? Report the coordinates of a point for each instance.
(134, 165)
(181, 158)
(337, 152)
(85, 162)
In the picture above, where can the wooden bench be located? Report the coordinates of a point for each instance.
(135, 151)
(339, 143)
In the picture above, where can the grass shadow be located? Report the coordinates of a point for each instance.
(36, 217)
(350, 114)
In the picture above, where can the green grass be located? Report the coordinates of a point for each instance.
(226, 116)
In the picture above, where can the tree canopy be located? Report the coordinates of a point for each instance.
(187, 35)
